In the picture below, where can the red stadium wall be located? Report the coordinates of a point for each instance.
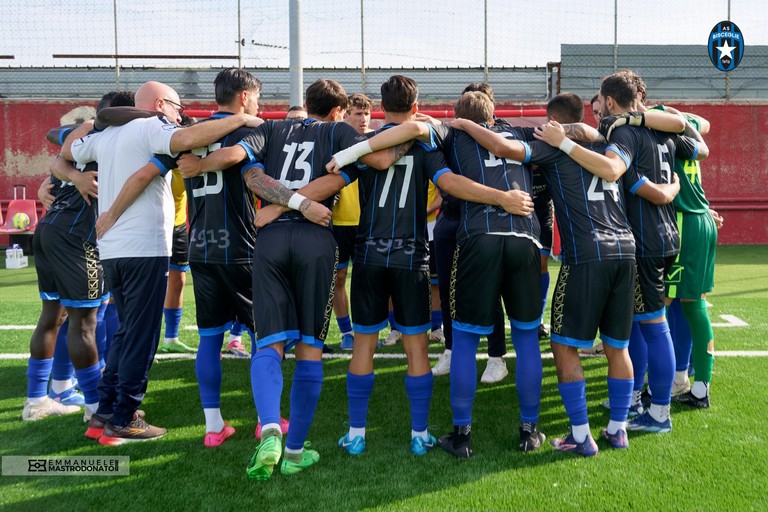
(734, 175)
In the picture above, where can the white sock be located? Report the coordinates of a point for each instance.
(37, 400)
(354, 432)
(614, 426)
(268, 426)
(700, 389)
(681, 377)
(238, 338)
(294, 452)
(580, 432)
(60, 386)
(423, 434)
(92, 408)
(170, 341)
(659, 412)
(213, 420)
(496, 360)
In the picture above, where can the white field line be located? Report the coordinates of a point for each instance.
(348, 355)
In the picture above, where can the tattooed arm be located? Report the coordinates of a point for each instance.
(582, 132)
(275, 192)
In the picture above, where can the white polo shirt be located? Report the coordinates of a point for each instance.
(146, 227)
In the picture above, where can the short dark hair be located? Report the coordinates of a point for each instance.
(482, 87)
(186, 120)
(566, 107)
(297, 117)
(231, 82)
(360, 101)
(475, 106)
(398, 94)
(620, 87)
(642, 89)
(594, 99)
(324, 95)
(116, 99)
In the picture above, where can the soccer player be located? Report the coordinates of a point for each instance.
(222, 237)
(70, 278)
(346, 217)
(296, 112)
(691, 278)
(651, 156)
(391, 258)
(178, 265)
(595, 232)
(135, 251)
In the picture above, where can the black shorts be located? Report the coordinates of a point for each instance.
(294, 268)
(371, 289)
(68, 268)
(223, 294)
(487, 266)
(649, 287)
(593, 296)
(432, 263)
(545, 212)
(180, 249)
(345, 239)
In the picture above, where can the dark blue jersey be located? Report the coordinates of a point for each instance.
(590, 211)
(650, 155)
(295, 152)
(393, 209)
(468, 158)
(221, 210)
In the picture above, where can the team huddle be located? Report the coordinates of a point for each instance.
(638, 246)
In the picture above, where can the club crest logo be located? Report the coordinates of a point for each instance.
(726, 46)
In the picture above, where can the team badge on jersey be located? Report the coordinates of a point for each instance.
(726, 46)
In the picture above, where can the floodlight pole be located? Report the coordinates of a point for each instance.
(485, 36)
(362, 44)
(296, 70)
(117, 61)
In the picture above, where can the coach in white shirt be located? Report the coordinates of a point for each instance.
(136, 249)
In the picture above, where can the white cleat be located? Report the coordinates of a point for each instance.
(443, 366)
(437, 336)
(495, 371)
(393, 337)
(48, 407)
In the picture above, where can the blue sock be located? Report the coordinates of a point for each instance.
(208, 369)
(437, 319)
(236, 329)
(620, 397)
(544, 291)
(419, 392)
(267, 384)
(528, 373)
(359, 389)
(112, 320)
(681, 335)
(661, 362)
(392, 320)
(38, 371)
(638, 354)
(101, 333)
(463, 375)
(172, 321)
(574, 395)
(305, 393)
(345, 325)
(88, 379)
(62, 365)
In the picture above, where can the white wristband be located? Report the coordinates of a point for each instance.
(352, 153)
(295, 201)
(567, 145)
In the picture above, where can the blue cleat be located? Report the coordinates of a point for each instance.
(354, 446)
(646, 423)
(347, 342)
(568, 444)
(420, 447)
(68, 397)
(617, 440)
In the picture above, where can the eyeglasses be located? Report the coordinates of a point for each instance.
(179, 108)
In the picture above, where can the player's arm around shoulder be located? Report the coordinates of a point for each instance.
(492, 141)
(659, 194)
(132, 189)
(516, 202)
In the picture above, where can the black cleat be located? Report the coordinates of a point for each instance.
(543, 332)
(456, 444)
(690, 399)
(530, 437)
